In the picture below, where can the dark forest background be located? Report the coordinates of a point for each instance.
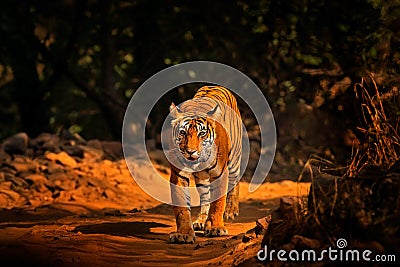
(74, 64)
(330, 71)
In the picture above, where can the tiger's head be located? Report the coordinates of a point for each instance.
(194, 134)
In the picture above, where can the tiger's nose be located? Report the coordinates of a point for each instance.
(190, 151)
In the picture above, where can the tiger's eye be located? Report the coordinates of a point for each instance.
(182, 132)
(202, 134)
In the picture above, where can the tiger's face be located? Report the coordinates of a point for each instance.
(194, 135)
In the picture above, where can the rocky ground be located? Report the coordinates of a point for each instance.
(69, 202)
(50, 170)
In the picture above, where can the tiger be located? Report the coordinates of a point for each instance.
(207, 127)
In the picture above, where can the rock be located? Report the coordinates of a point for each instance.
(37, 182)
(36, 179)
(3, 155)
(95, 144)
(22, 166)
(47, 142)
(52, 177)
(290, 206)
(16, 144)
(74, 151)
(19, 182)
(5, 186)
(112, 149)
(62, 158)
(52, 167)
(41, 188)
(64, 185)
(93, 151)
(8, 176)
(35, 202)
(262, 224)
(11, 199)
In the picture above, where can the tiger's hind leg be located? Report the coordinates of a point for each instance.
(232, 203)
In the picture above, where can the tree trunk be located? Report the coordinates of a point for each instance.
(110, 101)
(22, 58)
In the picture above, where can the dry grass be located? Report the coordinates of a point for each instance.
(313, 168)
(381, 143)
(335, 203)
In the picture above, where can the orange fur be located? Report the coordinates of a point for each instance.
(189, 144)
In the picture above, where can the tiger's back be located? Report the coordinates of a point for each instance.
(233, 125)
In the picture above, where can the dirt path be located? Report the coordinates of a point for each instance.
(73, 234)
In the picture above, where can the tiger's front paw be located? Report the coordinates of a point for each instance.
(180, 238)
(215, 231)
(200, 222)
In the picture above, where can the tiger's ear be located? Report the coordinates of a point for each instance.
(215, 112)
(175, 112)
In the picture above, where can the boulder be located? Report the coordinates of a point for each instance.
(16, 144)
(47, 142)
